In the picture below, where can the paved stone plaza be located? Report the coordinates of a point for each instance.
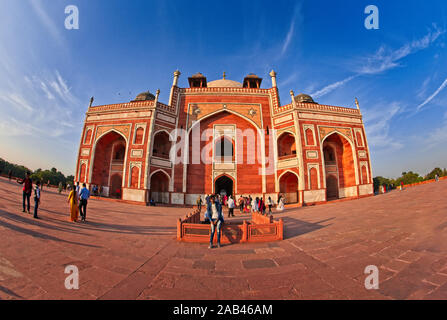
(130, 252)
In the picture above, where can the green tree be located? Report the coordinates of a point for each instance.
(433, 173)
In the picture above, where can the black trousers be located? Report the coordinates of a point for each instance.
(230, 212)
(83, 209)
(36, 207)
(26, 196)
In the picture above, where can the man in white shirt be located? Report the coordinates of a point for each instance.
(230, 207)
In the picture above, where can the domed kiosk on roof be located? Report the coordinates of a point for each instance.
(145, 96)
(304, 98)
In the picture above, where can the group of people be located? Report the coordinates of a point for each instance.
(246, 204)
(27, 190)
(215, 203)
(77, 199)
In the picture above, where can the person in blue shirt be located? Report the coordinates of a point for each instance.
(215, 216)
(84, 194)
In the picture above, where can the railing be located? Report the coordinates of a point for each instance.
(261, 228)
(423, 182)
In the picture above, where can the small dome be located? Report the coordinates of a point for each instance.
(197, 75)
(304, 98)
(145, 96)
(224, 83)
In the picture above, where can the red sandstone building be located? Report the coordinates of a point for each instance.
(224, 136)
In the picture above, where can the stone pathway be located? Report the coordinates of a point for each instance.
(129, 252)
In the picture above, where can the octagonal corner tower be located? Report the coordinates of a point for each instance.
(227, 137)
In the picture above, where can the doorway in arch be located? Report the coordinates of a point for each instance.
(160, 187)
(288, 187)
(331, 187)
(116, 186)
(224, 186)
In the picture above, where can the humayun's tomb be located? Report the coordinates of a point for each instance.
(224, 136)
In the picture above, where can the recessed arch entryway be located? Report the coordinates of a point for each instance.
(224, 185)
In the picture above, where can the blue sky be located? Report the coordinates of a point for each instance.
(398, 73)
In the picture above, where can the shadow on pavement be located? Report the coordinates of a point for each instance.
(295, 227)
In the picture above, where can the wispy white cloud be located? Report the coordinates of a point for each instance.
(288, 38)
(378, 123)
(423, 89)
(385, 58)
(332, 87)
(47, 21)
(296, 19)
(430, 98)
(288, 80)
(16, 101)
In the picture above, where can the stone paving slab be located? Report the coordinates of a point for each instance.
(127, 251)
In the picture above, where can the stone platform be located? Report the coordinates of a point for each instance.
(129, 252)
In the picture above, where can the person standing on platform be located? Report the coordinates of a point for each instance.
(27, 189)
(401, 186)
(36, 199)
(84, 194)
(215, 216)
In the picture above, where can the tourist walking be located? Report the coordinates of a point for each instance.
(199, 203)
(84, 194)
(27, 189)
(270, 204)
(74, 205)
(261, 205)
(255, 204)
(230, 206)
(401, 186)
(36, 199)
(215, 216)
(436, 178)
(59, 187)
(241, 204)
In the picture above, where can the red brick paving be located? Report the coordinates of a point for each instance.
(125, 251)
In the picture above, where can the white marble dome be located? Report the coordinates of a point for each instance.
(224, 83)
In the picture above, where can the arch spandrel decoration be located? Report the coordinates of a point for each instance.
(198, 111)
(325, 131)
(123, 129)
(231, 174)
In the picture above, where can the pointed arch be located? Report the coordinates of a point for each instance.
(354, 155)
(219, 111)
(97, 141)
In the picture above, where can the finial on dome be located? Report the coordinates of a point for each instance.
(224, 75)
(357, 104)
